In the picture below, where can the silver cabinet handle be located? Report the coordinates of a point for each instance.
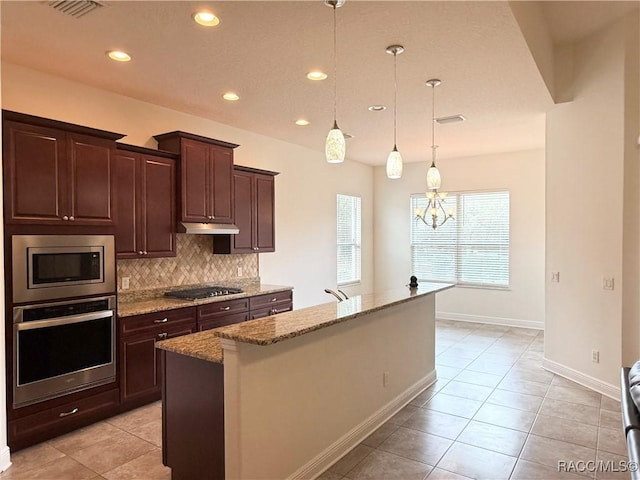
(71, 412)
(71, 218)
(164, 320)
(274, 299)
(65, 218)
(145, 253)
(140, 252)
(162, 336)
(225, 308)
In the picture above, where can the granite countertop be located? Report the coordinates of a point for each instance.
(269, 330)
(160, 303)
(203, 345)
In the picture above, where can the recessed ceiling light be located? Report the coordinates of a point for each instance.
(119, 56)
(206, 19)
(451, 119)
(302, 122)
(377, 108)
(231, 96)
(316, 75)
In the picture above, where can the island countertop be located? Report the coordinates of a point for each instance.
(160, 303)
(277, 328)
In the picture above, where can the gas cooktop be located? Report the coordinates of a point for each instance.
(204, 292)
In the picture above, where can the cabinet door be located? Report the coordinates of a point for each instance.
(139, 376)
(271, 310)
(91, 177)
(195, 181)
(243, 212)
(141, 371)
(127, 173)
(222, 321)
(221, 171)
(35, 174)
(264, 218)
(158, 211)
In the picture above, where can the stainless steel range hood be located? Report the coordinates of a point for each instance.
(209, 228)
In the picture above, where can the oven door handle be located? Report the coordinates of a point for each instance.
(54, 322)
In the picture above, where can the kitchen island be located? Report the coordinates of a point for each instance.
(288, 395)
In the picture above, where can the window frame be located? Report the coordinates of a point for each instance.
(356, 245)
(457, 246)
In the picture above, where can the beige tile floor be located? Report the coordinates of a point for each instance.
(494, 413)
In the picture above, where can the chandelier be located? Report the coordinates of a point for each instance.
(335, 146)
(435, 214)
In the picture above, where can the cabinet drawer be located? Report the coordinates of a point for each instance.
(169, 319)
(220, 309)
(271, 310)
(64, 417)
(270, 299)
(216, 322)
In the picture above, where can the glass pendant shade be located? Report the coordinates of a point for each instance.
(394, 164)
(335, 146)
(433, 178)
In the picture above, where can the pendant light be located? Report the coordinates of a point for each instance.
(434, 215)
(335, 146)
(433, 174)
(394, 160)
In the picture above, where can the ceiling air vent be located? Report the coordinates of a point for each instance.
(451, 119)
(75, 8)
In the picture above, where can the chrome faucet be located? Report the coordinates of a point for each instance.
(340, 299)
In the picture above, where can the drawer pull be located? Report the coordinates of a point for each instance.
(164, 320)
(274, 299)
(162, 336)
(71, 412)
(225, 308)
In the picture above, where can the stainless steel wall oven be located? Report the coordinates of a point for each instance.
(62, 347)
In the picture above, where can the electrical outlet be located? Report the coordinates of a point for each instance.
(555, 277)
(125, 283)
(595, 356)
(385, 379)
(607, 283)
(239, 271)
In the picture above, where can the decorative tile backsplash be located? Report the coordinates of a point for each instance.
(194, 263)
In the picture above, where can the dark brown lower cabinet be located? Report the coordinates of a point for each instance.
(64, 415)
(192, 418)
(219, 314)
(140, 367)
(270, 304)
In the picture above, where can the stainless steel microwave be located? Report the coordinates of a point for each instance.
(51, 267)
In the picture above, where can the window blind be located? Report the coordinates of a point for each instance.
(348, 239)
(473, 249)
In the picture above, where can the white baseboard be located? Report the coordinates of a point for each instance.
(611, 391)
(509, 322)
(351, 439)
(5, 459)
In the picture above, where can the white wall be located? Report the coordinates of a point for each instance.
(305, 189)
(588, 211)
(522, 173)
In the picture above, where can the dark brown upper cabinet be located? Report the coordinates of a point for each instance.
(57, 172)
(205, 176)
(254, 205)
(146, 203)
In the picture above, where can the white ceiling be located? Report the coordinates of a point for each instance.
(263, 50)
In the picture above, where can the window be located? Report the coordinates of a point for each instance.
(471, 250)
(348, 215)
